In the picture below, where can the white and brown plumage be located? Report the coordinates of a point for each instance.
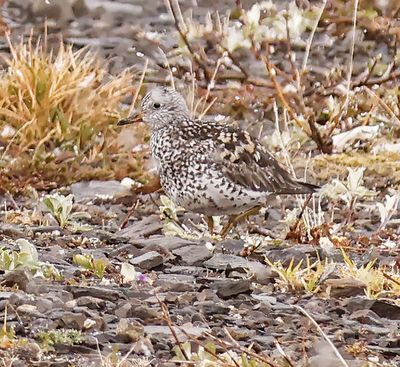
(209, 168)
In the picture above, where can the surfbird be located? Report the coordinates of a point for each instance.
(210, 168)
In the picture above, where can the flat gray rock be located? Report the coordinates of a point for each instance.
(230, 287)
(107, 190)
(221, 261)
(148, 261)
(142, 228)
(193, 254)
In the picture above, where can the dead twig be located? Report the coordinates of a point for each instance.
(310, 39)
(295, 226)
(202, 344)
(182, 34)
(311, 130)
(345, 105)
(304, 312)
(237, 346)
(166, 317)
(131, 210)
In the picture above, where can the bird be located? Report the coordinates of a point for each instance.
(210, 168)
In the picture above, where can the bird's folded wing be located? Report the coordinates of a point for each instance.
(246, 162)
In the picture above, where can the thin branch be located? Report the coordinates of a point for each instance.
(236, 345)
(304, 312)
(167, 319)
(237, 64)
(386, 78)
(383, 104)
(272, 73)
(350, 72)
(182, 33)
(196, 340)
(136, 95)
(310, 39)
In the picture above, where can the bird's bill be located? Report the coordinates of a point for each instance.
(135, 117)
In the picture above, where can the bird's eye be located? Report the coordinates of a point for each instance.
(156, 105)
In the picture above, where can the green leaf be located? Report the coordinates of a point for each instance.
(82, 260)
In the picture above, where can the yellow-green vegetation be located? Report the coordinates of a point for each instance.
(50, 338)
(61, 209)
(27, 257)
(96, 266)
(299, 278)
(380, 282)
(384, 165)
(377, 281)
(7, 334)
(58, 109)
(116, 359)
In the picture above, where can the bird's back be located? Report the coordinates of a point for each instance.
(206, 164)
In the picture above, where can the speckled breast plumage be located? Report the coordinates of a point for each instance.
(213, 169)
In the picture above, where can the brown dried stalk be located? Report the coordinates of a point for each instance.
(166, 317)
(312, 131)
(182, 33)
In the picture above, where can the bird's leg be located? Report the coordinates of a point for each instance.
(210, 224)
(234, 219)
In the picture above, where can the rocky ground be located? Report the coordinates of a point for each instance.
(206, 290)
(187, 286)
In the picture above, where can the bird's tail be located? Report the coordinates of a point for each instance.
(307, 187)
(298, 187)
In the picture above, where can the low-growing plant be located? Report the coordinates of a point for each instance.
(130, 274)
(378, 281)
(95, 266)
(169, 214)
(116, 359)
(296, 277)
(60, 208)
(388, 209)
(7, 334)
(50, 338)
(27, 257)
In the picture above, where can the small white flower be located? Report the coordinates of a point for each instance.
(235, 39)
(253, 15)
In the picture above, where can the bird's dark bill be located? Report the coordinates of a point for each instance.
(135, 117)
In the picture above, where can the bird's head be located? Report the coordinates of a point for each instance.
(160, 107)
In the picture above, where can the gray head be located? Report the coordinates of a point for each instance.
(163, 106)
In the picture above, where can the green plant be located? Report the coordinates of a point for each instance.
(208, 356)
(50, 338)
(295, 278)
(60, 208)
(96, 266)
(378, 281)
(28, 258)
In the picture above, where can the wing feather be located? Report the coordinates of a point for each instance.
(246, 162)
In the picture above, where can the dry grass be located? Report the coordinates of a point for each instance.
(57, 115)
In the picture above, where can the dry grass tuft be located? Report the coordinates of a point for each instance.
(57, 108)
